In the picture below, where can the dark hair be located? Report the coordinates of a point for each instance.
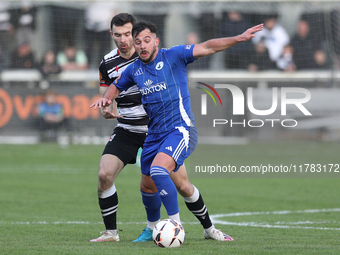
(122, 18)
(141, 25)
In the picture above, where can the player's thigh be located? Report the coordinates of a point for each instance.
(168, 150)
(178, 144)
(164, 160)
(125, 145)
(151, 155)
(110, 166)
(150, 150)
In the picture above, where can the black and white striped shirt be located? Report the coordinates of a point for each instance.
(129, 102)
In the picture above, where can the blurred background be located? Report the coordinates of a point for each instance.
(51, 50)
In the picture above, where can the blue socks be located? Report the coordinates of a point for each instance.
(166, 189)
(152, 203)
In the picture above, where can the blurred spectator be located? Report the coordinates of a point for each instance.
(236, 57)
(51, 117)
(304, 46)
(22, 57)
(275, 37)
(6, 31)
(192, 38)
(65, 22)
(202, 63)
(97, 34)
(48, 65)
(320, 60)
(259, 59)
(72, 59)
(24, 22)
(286, 61)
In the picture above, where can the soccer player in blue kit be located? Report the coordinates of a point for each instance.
(162, 80)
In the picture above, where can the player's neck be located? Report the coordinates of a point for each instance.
(128, 54)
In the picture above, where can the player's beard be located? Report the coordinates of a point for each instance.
(127, 49)
(149, 59)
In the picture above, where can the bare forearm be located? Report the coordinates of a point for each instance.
(102, 90)
(215, 45)
(220, 44)
(111, 93)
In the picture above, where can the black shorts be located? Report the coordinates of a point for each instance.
(125, 144)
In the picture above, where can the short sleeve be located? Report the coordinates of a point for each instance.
(126, 80)
(105, 80)
(183, 53)
(188, 53)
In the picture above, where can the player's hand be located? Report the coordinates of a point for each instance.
(101, 102)
(250, 32)
(109, 115)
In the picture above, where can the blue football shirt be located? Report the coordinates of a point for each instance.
(163, 84)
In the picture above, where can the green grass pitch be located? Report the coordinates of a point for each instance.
(48, 203)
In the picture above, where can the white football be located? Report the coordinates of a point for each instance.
(168, 233)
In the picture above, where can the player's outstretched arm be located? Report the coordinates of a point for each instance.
(111, 93)
(219, 44)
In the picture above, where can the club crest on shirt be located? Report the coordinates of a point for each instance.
(188, 47)
(159, 65)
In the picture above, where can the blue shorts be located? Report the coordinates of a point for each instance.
(178, 143)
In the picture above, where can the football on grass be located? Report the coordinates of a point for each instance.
(168, 233)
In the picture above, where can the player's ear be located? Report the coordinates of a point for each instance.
(111, 33)
(157, 41)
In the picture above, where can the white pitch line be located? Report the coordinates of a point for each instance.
(215, 219)
(274, 212)
(255, 224)
(64, 222)
(306, 222)
(75, 223)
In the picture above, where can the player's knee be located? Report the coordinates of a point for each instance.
(143, 187)
(148, 186)
(105, 176)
